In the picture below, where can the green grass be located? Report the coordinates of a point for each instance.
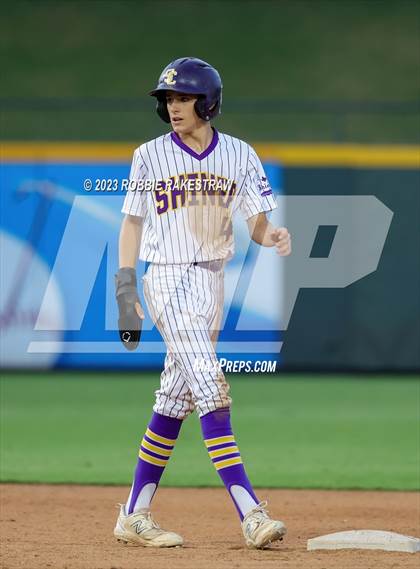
(294, 50)
(293, 431)
(139, 126)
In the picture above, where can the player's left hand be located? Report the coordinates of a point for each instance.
(282, 241)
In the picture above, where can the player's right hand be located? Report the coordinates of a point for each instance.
(130, 311)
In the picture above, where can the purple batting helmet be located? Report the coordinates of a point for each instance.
(194, 77)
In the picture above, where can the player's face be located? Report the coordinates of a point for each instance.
(184, 119)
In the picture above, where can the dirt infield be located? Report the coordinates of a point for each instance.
(70, 527)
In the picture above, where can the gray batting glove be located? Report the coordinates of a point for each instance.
(129, 307)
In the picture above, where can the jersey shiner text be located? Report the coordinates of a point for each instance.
(194, 189)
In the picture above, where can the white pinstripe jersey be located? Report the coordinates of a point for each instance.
(188, 215)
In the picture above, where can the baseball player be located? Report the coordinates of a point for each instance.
(188, 184)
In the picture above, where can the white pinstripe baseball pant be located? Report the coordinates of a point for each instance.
(186, 305)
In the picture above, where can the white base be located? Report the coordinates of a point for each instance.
(366, 539)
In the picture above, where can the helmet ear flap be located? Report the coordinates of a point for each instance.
(204, 111)
(162, 109)
(201, 109)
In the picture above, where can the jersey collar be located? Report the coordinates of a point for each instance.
(191, 152)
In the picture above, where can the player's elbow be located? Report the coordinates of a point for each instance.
(132, 219)
(257, 238)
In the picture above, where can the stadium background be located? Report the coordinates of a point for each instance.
(329, 93)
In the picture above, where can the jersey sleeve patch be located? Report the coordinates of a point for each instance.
(264, 186)
(257, 195)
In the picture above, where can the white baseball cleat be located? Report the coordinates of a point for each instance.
(259, 530)
(140, 528)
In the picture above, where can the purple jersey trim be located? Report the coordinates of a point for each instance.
(267, 193)
(190, 151)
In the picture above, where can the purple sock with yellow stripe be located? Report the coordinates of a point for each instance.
(154, 453)
(225, 455)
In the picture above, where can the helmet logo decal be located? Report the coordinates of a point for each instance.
(168, 76)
